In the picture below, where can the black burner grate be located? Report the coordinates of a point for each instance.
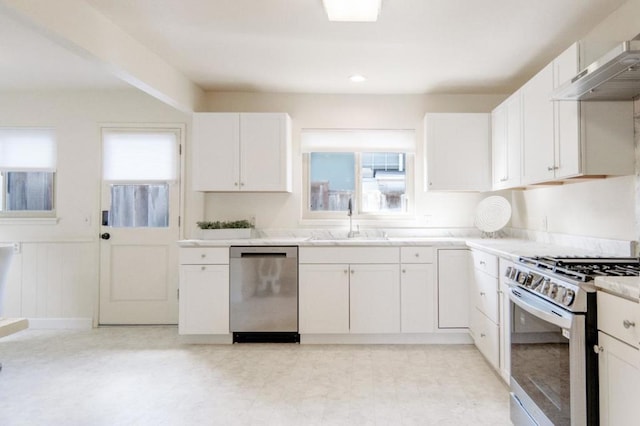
(586, 268)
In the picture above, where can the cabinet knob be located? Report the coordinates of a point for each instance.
(404, 271)
(203, 255)
(483, 335)
(482, 293)
(352, 271)
(417, 254)
(628, 324)
(346, 271)
(504, 179)
(235, 183)
(203, 268)
(482, 262)
(552, 168)
(598, 349)
(241, 183)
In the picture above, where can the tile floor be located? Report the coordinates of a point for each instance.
(146, 376)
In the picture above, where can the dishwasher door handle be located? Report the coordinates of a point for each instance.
(263, 255)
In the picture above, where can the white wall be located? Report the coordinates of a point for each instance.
(346, 111)
(56, 273)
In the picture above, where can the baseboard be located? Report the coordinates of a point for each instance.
(383, 339)
(60, 323)
(204, 339)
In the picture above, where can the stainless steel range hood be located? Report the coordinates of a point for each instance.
(613, 77)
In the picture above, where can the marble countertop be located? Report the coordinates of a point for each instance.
(338, 242)
(628, 287)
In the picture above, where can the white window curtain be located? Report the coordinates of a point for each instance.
(144, 156)
(358, 140)
(30, 150)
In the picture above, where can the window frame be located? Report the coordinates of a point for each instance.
(47, 216)
(409, 214)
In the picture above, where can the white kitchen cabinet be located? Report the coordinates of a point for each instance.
(458, 152)
(484, 304)
(241, 152)
(453, 288)
(374, 298)
(504, 321)
(324, 299)
(506, 142)
(619, 382)
(417, 298)
(204, 291)
(618, 359)
(417, 290)
(350, 289)
(568, 139)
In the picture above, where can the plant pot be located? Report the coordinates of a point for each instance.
(225, 234)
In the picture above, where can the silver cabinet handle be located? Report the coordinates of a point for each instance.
(628, 324)
(417, 254)
(404, 271)
(504, 179)
(482, 262)
(203, 255)
(235, 183)
(482, 335)
(552, 168)
(203, 268)
(346, 271)
(482, 293)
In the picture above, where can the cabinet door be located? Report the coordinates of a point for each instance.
(514, 139)
(499, 150)
(619, 366)
(375, 298)
(538, 130)
(265, 163)
(458, 152)
(504, 323)
(417, 298)
(324, 299)
(567, 118)
(453, 288)
(204, 299)
(485, 335)
(215, 152)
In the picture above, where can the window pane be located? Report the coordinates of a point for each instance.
(332, 180)
(29, 191)
(383, 182)
(140, 206)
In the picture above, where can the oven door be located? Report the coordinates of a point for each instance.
(547, 362)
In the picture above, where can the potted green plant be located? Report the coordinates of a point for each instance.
(225, 230)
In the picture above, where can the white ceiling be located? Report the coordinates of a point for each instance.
(417, 46)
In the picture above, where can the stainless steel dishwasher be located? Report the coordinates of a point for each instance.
(263, 293)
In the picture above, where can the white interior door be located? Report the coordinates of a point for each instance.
(140, 227)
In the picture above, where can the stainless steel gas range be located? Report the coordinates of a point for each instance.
(554, 369)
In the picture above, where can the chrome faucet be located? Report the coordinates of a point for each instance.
(351, 233)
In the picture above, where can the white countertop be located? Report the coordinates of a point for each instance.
(628, 287)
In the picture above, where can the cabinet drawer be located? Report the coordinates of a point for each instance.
(416, 254)
(485, 294)
(485, 262)
(485, 335)
(619, 317)
(204, 255)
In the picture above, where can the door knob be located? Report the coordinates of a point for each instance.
(105, 236)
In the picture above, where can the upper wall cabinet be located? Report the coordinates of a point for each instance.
(457, 149)
(506, 142)
(241, 152)
(567, 139)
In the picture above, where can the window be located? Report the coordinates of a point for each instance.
(368, 167)
(138, 167)
(27, 172)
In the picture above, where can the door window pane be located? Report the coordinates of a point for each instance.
(332, 180)
(383, 182)
(27, 191)
(139, 206)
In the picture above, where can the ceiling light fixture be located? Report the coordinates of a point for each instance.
(357, 78)
(352, 10)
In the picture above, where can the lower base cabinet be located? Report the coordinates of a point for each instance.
(374, 298)
(619, 365)
(417, 296)
(204, 299)
(324, 299)
(453, 288)
(486, 336)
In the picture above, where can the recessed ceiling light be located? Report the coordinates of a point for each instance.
(352, 10)
(357, 78)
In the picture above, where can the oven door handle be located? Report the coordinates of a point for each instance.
(540, 308)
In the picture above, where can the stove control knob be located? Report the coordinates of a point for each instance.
(508, 272)
(553, 290)
(544, 287)
(568, 297)
(560, 294)
(528, 280)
